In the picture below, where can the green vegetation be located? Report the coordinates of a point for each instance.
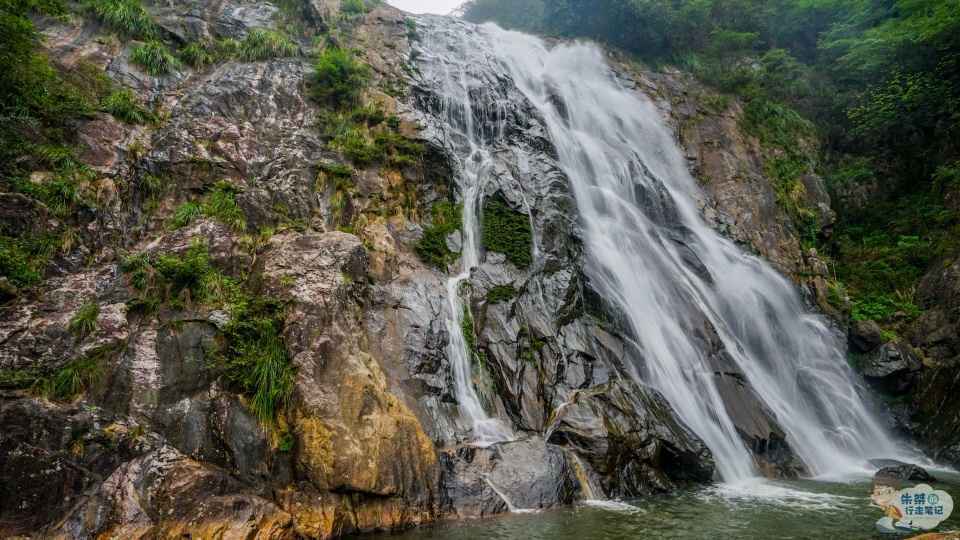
(84, 321)
(263, 44)
(501, 293)
(432, 248)
(199, 54)
(219, 204)
(507, 231)
(123, 105)
(253, 359)
(73, 379)
(876, 81)
(469, 332)
(353, 7)
(339, 79)
(128, 17)
(155, 58)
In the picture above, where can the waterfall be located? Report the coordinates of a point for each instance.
(472, 156)
(650, 255)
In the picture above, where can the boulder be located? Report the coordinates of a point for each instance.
(902, 474)
(865, 336)
(893, 368)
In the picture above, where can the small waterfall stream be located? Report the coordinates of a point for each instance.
(650, 255)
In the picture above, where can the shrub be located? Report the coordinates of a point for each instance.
(123, 105)
(84, 321)
(432, 247)
(501, 293)
(262, 44)
(221, 205)
(125, 16)
(75, 378)
(255, 360)
(339, 79)
(198, 55)
(353, 7)
(154, 58)
(186, 214)
(507, 231)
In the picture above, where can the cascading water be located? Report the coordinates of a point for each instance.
(651, 256)
(467, 137)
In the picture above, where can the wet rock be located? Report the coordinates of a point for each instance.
(629, 436)
(893, 368)
(901, 475)
(523, 474)
(865, 336)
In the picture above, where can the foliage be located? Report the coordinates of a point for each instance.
(84, 321)
(219, 204)
(253, 359)
(155, 58)
(123, 105)
(501, 293)
(339, 78)
(263, 44)
(127, 17)
(469, 332)
(198, 54)
(353, 7)
(76, 376)
(507, 231)
(432, 247)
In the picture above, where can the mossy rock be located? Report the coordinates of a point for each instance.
(507, 231)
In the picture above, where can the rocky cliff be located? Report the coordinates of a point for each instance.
(235, 227)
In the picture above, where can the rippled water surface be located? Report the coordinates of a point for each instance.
(785, 510)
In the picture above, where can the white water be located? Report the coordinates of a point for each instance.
(612, 145)
(473, 156)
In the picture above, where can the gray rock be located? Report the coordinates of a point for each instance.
(865, 336)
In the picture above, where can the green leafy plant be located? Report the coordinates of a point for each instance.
(84, 321)
(198, 54)
(123, 105)
(125, 16)
(353, 7)
(263, 44)
(219, 204)
(154, 58)
(339, 78)
(185, 214)
(255, 360)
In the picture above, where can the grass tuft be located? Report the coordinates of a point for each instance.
(123, 105)
(154, 58)
(84, 321)
(263, 44)
(127, 17)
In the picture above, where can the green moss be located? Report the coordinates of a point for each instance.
(84, 321)
(155, 58)
(469, 332)
(507, 231)
(501, 293)
(263, 44)
(432, 247)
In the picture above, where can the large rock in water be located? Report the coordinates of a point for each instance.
(898, 475)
